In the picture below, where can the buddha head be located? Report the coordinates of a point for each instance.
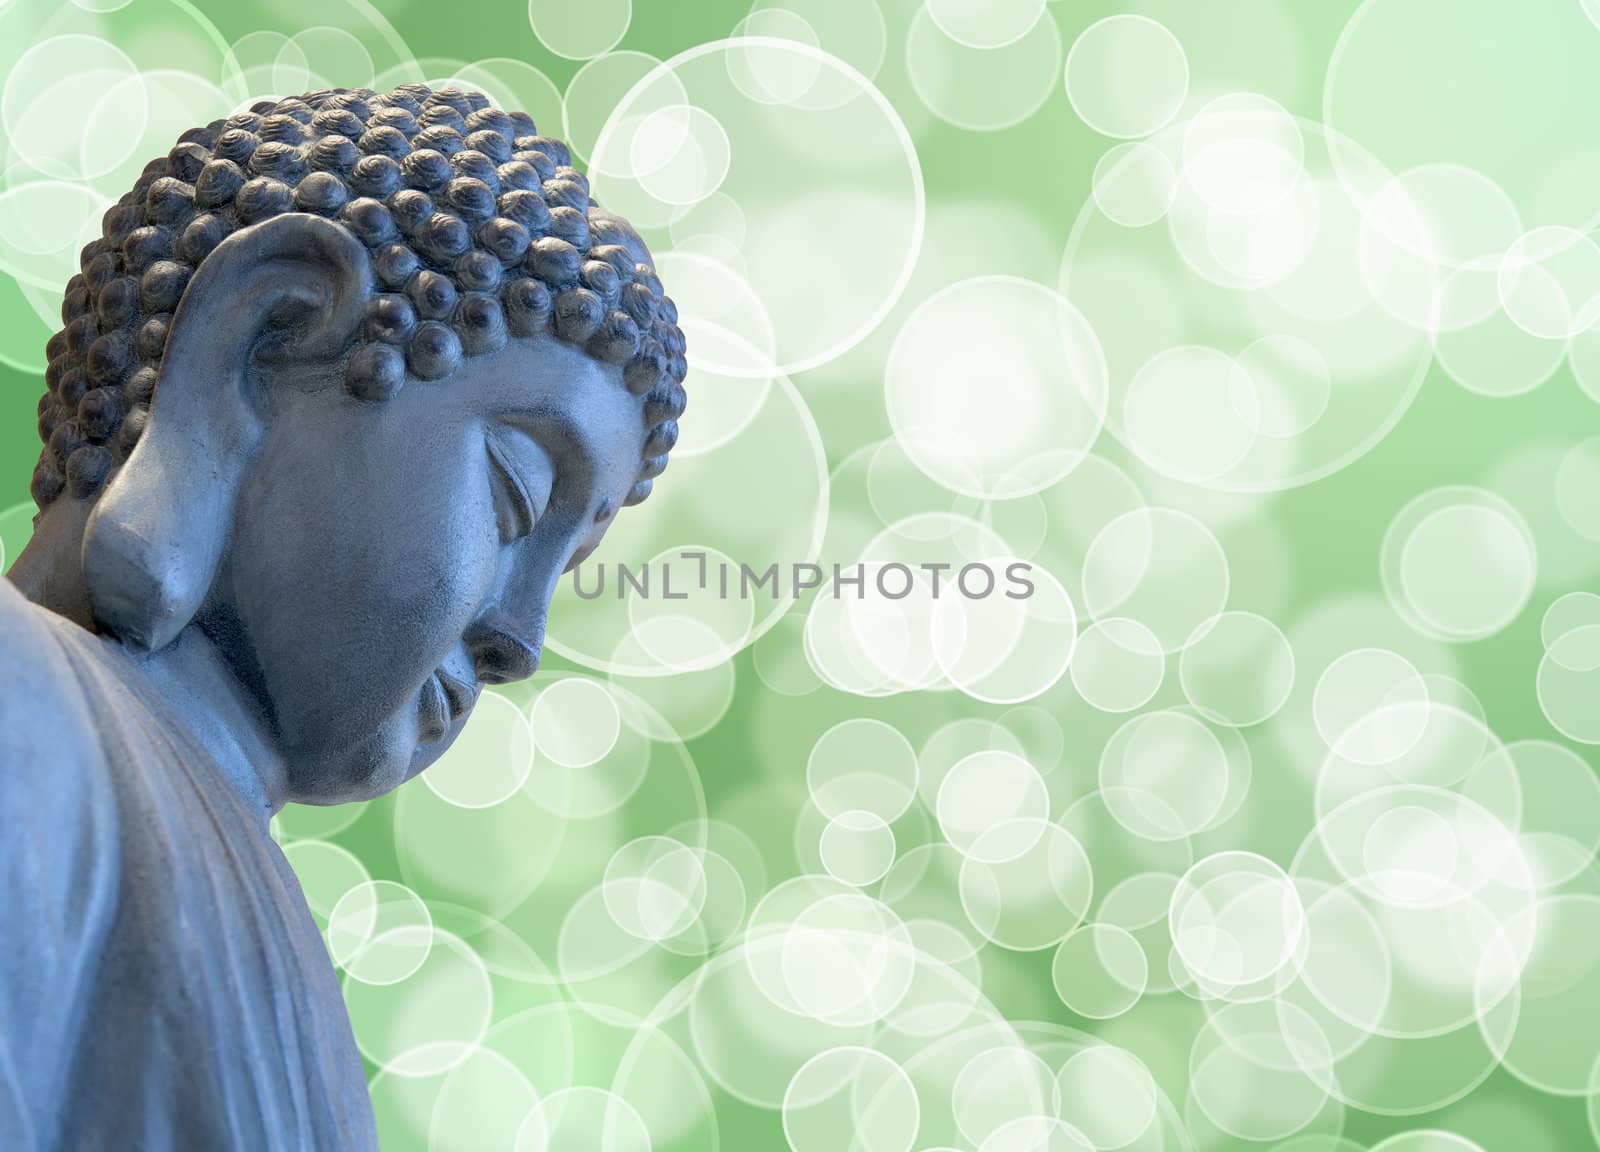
(347, 383)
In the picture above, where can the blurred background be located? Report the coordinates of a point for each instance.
(1264, 332)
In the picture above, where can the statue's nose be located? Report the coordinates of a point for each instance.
(502, 653)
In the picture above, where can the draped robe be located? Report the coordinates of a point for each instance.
(162, 982)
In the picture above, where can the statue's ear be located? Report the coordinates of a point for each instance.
(293, 288)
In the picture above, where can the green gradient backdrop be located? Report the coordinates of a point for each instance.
(1510, 92)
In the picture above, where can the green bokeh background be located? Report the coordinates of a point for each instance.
(1322, 539)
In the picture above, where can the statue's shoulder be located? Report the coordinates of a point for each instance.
(35, 679)
(58, 808)
(59, 865)
(46, 721)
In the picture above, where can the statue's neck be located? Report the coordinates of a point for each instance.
(198, 686)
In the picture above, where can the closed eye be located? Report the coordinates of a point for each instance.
(516, 511)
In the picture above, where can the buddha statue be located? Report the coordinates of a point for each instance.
(347, 383)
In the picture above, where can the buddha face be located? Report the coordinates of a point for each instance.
(390, 558)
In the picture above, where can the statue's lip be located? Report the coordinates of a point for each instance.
(459, 697)
(435, 711)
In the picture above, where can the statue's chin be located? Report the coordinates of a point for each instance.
(363, 769)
